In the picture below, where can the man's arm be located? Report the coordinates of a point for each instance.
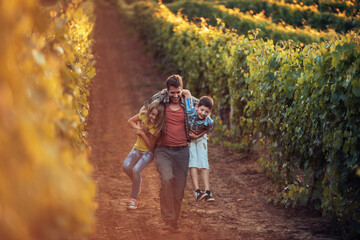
(159, 95)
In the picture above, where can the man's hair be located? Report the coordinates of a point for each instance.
(175, 81)
(207, 102)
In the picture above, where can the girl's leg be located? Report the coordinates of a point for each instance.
(205, 177)
(130, 161)
(146, 158)
(194, 177)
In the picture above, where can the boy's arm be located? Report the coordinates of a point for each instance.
(190, 107)
(196, 135)
(186, 93)
(210, 123)
(195, 100)
(209, 126)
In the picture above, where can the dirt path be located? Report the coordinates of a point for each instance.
(126, 77)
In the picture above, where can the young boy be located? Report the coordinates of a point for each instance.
(200, 123)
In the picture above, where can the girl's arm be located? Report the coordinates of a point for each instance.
(133, 122)
(150, 140)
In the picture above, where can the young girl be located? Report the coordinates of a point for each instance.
(148, 125)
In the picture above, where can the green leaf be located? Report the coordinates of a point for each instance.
(346, 146)
(356, 88)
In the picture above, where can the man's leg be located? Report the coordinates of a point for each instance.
(163, 160)
(180, 169)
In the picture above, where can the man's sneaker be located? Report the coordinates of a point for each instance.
(209, 197)
(167, 225)
(133, 203)
(175, 227)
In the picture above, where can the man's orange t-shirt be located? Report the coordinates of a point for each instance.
(175, 134)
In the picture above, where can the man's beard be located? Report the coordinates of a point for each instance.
(175, 100)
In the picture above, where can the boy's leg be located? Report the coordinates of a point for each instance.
(145, 159)
(205, 177)
(203, 161)
(204, 172)
(194, 177)
(193, 164)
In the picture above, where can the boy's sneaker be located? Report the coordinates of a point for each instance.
(133, 203)
(209, 197)
(199, 195)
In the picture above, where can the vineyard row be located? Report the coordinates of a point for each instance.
(243, 23)
(299, 102)
(46, 64)
(297, 16)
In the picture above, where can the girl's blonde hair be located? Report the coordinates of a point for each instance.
(159, 124)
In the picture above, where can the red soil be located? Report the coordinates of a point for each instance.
(126, 77)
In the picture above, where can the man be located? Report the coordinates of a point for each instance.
(172, 152)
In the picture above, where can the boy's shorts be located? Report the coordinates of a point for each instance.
(198, 153)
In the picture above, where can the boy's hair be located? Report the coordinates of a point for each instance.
(207, 102)
(175, 81)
